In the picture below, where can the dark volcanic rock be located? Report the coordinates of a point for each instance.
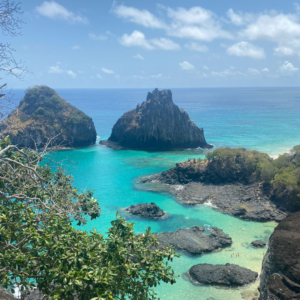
(225, 275)
(280, 277)
(41, 115)
(194, 240)
(258, 244)
(146, 210)
(156, 124)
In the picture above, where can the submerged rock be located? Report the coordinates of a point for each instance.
(224, 275)
(156, 124)
(43, 115)
(258, 244)
(194, 240)
(146, 210)
(280, 277)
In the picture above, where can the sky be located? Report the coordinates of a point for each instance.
(169, 44)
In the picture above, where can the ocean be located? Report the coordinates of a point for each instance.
(263, 119)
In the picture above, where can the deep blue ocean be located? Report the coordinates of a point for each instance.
(264, 119)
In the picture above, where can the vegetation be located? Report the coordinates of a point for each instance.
(282, 174)
(40, 247)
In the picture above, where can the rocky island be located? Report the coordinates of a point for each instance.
(194, 241)
(43, 116)
(246, 184)
(156, 124)
(223, 275)
(146, 210)
(280, 277)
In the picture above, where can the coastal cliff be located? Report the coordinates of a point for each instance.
(156, 124)
(280, 277)
(43, 115)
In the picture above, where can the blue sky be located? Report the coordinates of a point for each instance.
(134, 43)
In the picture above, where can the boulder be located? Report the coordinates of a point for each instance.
(156, 124)
(224, 275)
(258, 244)
(280, 277)
(194, 241)
(146, 210)
(44, 116)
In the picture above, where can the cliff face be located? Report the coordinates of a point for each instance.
(280, 278)
(156, 124)
(42, 115)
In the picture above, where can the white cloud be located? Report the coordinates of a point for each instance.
(99, 76)
(53, 10)
(246, 49)
(138, 56)
(96, 37)
(253, 71)
(164, 44)
(76, 47)
(185, 65)
(205, 67)
(55, 69)
(287, 69)
(265, 70)
(138, 39)
(142, 17)
(196, 47)
(71, 74)
(239, 19)
(107, 71)
(156, 76)
(284, 51)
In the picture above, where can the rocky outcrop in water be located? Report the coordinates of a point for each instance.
(194, 240)
(280, 277)
(156, 124)
(223, 275)
(258, 244)
(146, 210)
(43, 115)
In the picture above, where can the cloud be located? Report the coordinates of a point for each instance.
(99, 76)
(57, 70)
(253, 71)
(71, 74)
(138, 39)
(284, 51)
(107, 71)
(138, 56)
(239, 19)
(195, 23)
(265, 70)
(246, 49)
(287, 69)
(196, 47)
(53, 10)
(205, 67)
(96, 37)
(141, 17)
(156, 76)
(164, 44)
(186, 66)
(76, 47)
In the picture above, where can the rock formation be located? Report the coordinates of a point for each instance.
(258, 244)
(156, 124)
(224, 275)
(280, 277)
(194, 241)
(43, 115)
(146, 210)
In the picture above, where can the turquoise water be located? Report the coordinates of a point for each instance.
(262, 119)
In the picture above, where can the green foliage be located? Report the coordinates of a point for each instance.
(282, 173)
(40, 247)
